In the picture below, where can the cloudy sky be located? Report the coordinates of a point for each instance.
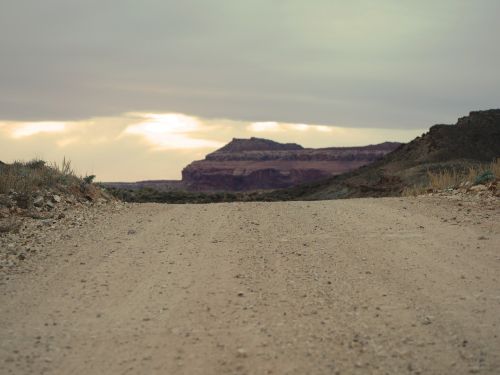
(137, 89)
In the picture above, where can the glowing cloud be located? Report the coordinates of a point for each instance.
(172, 131)
(27, 129)
(274, 127)
(323, 128)
(300, 127)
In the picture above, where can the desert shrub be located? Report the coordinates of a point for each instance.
(35, 164)
(484, 177)
(89, 179)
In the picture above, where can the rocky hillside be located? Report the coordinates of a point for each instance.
(34, 199)
(474, 139)
(256, 164)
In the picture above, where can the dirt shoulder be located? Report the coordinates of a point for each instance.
(375, 286)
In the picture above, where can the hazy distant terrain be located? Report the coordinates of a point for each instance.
(256, 164)
(262, 164)
(159, 185)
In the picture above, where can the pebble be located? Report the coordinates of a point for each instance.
(241, 353)
(427, 320)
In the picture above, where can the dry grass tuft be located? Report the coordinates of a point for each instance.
(413, 191)
(495, 168)
(446, 179)
(452, 178)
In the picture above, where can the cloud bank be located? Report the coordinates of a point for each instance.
(391, 64)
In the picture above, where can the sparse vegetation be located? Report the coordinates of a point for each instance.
(454, 178)
(26, 177)
(181, 196)
(175, 196)
(413, 191)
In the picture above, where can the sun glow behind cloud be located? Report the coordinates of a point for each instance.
(171, 131)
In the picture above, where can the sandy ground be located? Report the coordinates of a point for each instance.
(368, 286)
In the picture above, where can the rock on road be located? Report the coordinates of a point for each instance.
(365, 286)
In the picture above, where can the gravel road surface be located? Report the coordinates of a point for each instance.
(364, 286)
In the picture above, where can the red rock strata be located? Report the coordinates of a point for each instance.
(255, 164)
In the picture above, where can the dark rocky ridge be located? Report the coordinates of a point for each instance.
(256, 164)
(473, 139)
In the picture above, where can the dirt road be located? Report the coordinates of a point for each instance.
(385, 286)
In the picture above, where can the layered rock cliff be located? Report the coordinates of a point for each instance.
(256, 163)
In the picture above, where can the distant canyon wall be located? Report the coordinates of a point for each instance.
(261, 164)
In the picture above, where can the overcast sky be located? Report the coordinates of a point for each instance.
(381, 65)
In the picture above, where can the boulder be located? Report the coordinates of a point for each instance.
(38, 201)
